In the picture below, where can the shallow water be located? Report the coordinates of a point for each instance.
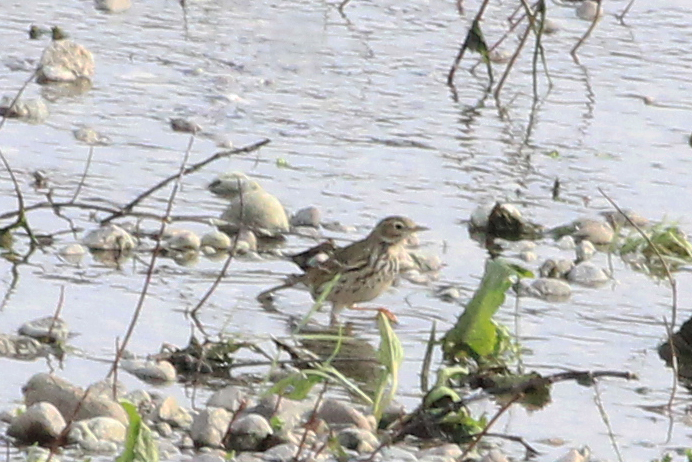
(357, 107)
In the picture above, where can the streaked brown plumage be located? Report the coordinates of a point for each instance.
(366, 268)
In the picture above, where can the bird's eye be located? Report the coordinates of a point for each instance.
(398, 226)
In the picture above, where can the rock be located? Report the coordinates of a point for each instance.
(566, 243)
(229, 185)
(113, 6)
(545, 288)
(479, 216)
(214, 457)
(30, 110)
(255, 208)
(90, 136)
(164, 429)
(46, 330)
(231, 398)
(180, 239)
(598, 232)
(42, 423)
(494, 455)
(588, 274)
(209, 427)
(589, 10)
(281, 453)
(216, 241)
(358, 439)
(574, 455)
(288, 411)
(448, 294)
(398, 454)
(185, 126)
(67, 398)
(340, 414)
(499, 56)
(21, 347)
(550, 27)
(141, 399)
(168, 450)
(585, 250)
(155, 372)
(170, 411)
(72, 253)
(248, 433)
(247, 242)
(309, 216)
(109, 237)
(94, 434)
(555, 268)
(105, 387)
(450, 451)
(65, 61)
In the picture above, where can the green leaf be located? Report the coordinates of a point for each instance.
(475, 329)
(139, 444)
(391, 356)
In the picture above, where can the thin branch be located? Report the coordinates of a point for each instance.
(192, 168)
(84, 174)
(477, 438)
(586, 35)
(464, 46)
(511, 62)
(621, 16)
(152, 262)
(606, 420)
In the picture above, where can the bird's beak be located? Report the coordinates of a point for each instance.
(417, 228)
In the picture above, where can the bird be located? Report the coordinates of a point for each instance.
(356, 273)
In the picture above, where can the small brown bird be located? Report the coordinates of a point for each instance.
(362, 270)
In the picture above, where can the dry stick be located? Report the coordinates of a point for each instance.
(226, 264)
(492, 421)
(86, 170)
(152, 262)
(621, 17)
(511, 62)
(427, 359)
(16, 98)
(192, 168)
(606, 420)
(674, 296)
(312, 418)
(586, 35)
(517, 439)
(58, 309)
(462, 49)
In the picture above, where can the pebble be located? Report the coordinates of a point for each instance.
(339, 414)
(90, 136)
(42, 423)
(109, 237)
(308, 216)
(29, 110)
(479, 216)
(545, 288)
(67, 397)
(395, 453)
(598, 232)
(184, 126)
(589, 10)
(556, 268)
(65, 61)
(230, 398)
(446, 450)
(39, 454)
(216, 241)
(585, 250)
(180, 239)
(171, 412)
(248, 433)
(281, 453)
(358, 439)
(448, 294)
(48, 329)
(566, 243)
(550, 27)
(155, 372)
(494, 455)
(98, 434)
(574, 455)
(588, 274)
(113, 6)
(209, 427)
(259, 211)
(72, 253)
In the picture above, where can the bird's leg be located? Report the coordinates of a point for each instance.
(385, 312)
(291, 281)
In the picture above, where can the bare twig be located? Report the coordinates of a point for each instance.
(586, 35)
(621, 16)
(86, 170)
(511, 62)
(606, 420)
(58, 309)
(464, 46)
(192, 168)
(152, 262)
(477, 438)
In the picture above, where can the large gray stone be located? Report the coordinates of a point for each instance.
(42, 423)
(69, 398)
(248, 433)
(209, 427)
